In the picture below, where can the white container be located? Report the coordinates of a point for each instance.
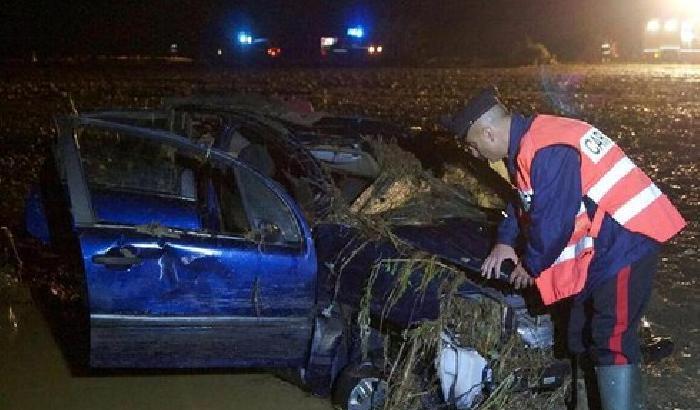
(461, 371)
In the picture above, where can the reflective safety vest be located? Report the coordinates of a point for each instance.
(608, 178)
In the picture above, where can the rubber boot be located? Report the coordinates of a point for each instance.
(620, 387)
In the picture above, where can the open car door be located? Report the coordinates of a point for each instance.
(191, 259)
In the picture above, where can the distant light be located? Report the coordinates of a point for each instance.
(173, 48)
(245, 38)
(687, 37)
(357, 31)
(687, 32)
(653, 26)
(328, 41)
(688, 7)
(671, 25)
(371, 49)
(274, 51)
(380, 49)
(219, 52)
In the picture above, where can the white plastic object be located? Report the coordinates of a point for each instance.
(461, 371)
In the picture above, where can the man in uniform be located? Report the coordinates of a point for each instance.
(593, 224)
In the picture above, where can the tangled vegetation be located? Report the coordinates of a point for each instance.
(406, 193)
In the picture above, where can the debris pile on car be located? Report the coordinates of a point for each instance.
(405, 192)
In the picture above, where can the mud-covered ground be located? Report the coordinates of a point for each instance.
(652, 111)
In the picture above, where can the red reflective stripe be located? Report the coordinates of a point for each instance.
(621, 315)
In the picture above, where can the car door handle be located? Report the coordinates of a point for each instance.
(116, 261)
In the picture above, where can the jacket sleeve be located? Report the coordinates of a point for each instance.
(556, 182)
(508, 229)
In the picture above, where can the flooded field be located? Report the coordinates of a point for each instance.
(652, 111)
(36, 376)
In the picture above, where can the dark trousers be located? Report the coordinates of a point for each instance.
(605, 325)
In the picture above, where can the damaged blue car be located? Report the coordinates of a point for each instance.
(205, 241)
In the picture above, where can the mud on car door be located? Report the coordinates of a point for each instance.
(183, 267)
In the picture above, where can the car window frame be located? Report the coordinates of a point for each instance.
(67, 149)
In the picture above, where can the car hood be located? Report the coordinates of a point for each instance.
(459, 241)
(348, 262)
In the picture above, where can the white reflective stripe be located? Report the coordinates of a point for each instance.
(637, 204)
(623, 167)
(572, 251)
(581, 210)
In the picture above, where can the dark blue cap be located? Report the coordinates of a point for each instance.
(460, 122)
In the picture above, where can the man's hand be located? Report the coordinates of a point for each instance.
(492, 264)
(520, 278)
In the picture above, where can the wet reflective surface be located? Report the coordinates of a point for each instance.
(34, 375)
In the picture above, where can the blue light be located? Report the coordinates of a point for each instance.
(245, 38)
(357, 32)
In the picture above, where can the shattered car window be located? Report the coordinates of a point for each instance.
(118, 162)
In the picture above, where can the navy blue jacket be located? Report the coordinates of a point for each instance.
(556, 181)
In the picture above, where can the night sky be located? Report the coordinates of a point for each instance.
(571, 29)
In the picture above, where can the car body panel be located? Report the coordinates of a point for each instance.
(457, 243)
(179, 297)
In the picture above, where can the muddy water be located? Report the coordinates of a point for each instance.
(35, 375)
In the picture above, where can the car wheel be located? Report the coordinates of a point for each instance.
(360, 387)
